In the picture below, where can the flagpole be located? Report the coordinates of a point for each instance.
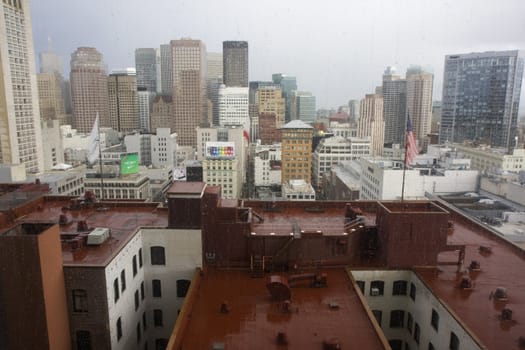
(100, 161)
(404, 171)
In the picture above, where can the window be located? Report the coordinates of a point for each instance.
(134, 263)
(161, 343)
(83, 340)
(115, 289)
(377, 288)
(80, 300)
(417, 333)
(140, 257)
(123, 280)
(137, 300)
(157, 318)
(361, 285)
(454, 341)
(434, 321)
(142, 290)
(397, 318)
(182, 288)
(410, 322)
(396, 344)
(399, 288)
(413, 291)
(378, 314)
(157, 292)
(144, 321)
(119, 328)
(139, 333)
(157, 256)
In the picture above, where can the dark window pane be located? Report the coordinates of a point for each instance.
(413, 291)
(377, 288)
(435, 320)
(83, 340)
(157, 318)
(140, 257)
(123, 280)
(156, 287)
(397, 318)
(134, 263)
(119, 328)
(115, 289)
(454, 341)
(417, 333)
(80, 301)
(182, 288)
(361, 285)
(378, 314)
(136, 299)
(396, 344)
(157, 256)
(399, 288)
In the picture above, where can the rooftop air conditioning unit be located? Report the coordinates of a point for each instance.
(98, 236)
(374, 292)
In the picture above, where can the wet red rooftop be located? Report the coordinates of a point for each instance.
(253, 320)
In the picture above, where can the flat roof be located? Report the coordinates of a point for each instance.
(183, 187)
(475, 308)
(122, 218)
(254, 318)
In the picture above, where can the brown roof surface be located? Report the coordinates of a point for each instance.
(122, 218)
(254, 319)
(329, 220)
(476, 308)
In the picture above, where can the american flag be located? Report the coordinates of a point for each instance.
(411, 145)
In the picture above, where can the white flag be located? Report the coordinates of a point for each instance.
(94, 143)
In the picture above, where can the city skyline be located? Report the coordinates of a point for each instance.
(337, 53)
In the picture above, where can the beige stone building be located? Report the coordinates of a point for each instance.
(162, 112)
(271, 100)
(296, 138)
(50, 97)
(419, 104)
(371, 123)
(123, 100)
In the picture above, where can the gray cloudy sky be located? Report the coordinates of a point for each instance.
(338, 49)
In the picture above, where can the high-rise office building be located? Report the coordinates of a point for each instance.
(288, 84)
(166, 69)
(189, 89)
(145, 100)
(481, 93)
(394, 106)
(213, 82)
(50, 96)
(146, 60)
(214, 64)
(371, 123)
(123, 100)
(271, 100)
(353, 110)
(303, 106)
(161, 112)
(233, 107)
(89, 89)
(235, 63)
(419, 103)
(20, 129)
(296, 138)
(50, 62)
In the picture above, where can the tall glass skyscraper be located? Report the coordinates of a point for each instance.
(481, 93)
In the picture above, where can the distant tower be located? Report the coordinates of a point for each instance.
(419, 103)
(296, 138)
(481, 94)
(235, 63)
(89, 89)
(146, 67)
(271, 100)
(371, 123)
(189, 89)
(303, 106)
(214, 81)
(166, 69)
(145, 100)
(50, 62)
(123, 100)
(288, 84)
(233, 107)
(394, 106)
(20, 128)
(50, 96)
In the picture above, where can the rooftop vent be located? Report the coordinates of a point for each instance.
(82, 226)
(331, 344)
(501, 293)
(225, 308)
(466, 283)
(483, 249)
(282, 339)
(475, 265)
(98, 236)
(506, 314)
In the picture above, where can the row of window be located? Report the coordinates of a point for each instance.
(116, 292)
(399, 287)
(397, 344)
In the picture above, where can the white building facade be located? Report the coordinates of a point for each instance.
(267, 165)
(233, 107)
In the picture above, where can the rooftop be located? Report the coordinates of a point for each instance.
(253, 319)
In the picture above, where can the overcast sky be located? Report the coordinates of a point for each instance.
(337, 49)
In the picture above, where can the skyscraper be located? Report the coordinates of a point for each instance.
(371, 123)
(214, 81)
(481, 93)
(235, 63)
(145, 100)
(394, 106)
(271, 100)
(146, 60)
(50, 62)
(296, 138)
(303, 106)
(50, 96)
(20, 129)
(288, 84)
(189, 89)
(233, 107)
(123, 100)
(89, 88)
(419, 103)
(166, 69)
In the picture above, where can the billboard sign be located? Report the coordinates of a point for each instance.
(220, 150)
(129, 163)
